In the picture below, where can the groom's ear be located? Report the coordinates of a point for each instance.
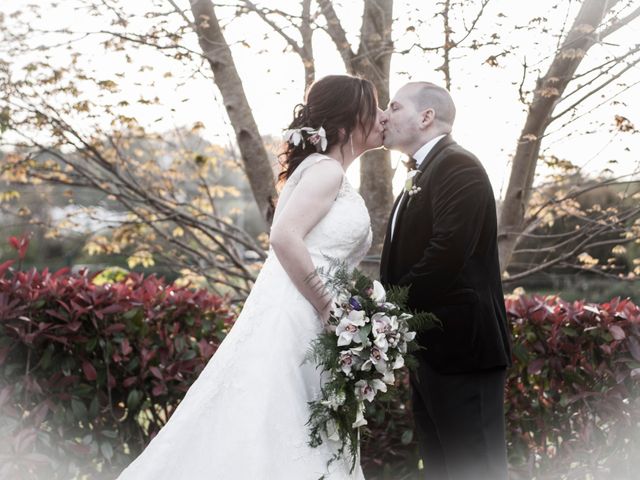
(427, 117)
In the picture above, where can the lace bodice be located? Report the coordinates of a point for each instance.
(345, 231)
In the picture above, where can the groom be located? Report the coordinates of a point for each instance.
(441, 243)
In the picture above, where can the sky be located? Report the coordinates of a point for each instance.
(490, 116)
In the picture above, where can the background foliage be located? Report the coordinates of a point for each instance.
(91, 366)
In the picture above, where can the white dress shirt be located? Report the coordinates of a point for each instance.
(420, 155)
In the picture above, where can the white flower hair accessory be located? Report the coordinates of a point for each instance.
(317, 137)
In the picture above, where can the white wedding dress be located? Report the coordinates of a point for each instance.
(244, 417)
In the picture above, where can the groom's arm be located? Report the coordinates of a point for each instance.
(460, 195)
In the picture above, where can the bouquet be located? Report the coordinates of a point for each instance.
(370, 336)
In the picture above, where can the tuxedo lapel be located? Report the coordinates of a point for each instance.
(386, 247)
(401, 203)
(437, 148)
(435, 151)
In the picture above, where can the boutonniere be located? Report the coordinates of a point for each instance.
(409, 187)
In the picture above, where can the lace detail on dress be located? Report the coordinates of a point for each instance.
(345, 232)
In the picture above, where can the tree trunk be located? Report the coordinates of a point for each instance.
(254, 155)
(306, 32)
(549, 91)
(374, 62)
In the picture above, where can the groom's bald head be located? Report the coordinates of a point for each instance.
(418, 112)
(429, 95)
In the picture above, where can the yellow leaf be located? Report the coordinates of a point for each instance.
(619, 250)
(587, 260)
(9, 195)
(110, 275)
(141, 257)
(92, 248)
(52, 233)
(178, 232)
(190, 278)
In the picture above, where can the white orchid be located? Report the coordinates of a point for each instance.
(393, 339)
(381, 323)
(347, 330)
(378, 293)
(378, 358)
(367, 390)
(385, 329)
(388, 306)
(381, 342)
(348, 360)
(398, 362)
(341, 301)
(360, 420)
(389, 377)
(406, 335)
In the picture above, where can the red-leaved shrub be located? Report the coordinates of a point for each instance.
(89, 373)
(87, 369)
(573, 398)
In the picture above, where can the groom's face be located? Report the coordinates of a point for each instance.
(401, 121)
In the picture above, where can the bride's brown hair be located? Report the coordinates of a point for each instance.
(337, 103)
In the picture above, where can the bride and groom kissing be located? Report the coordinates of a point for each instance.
(245, 415)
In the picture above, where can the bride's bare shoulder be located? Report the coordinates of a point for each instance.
(318, 164)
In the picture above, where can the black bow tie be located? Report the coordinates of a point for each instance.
(411, 164)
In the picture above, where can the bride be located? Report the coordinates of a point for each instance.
(244, 417)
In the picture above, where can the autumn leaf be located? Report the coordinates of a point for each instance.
(624, 124)
(141, 257)
(89, 371)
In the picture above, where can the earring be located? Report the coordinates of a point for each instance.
(351, 142)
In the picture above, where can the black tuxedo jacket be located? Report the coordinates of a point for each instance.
(445, 249)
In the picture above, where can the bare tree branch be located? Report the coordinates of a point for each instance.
(619, 24)
(550, 89)
(278, 29)
(338, 34)
(472, 27)
(604, 68)
(304, 50)
(610, 80)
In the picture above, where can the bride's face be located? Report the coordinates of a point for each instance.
(375, 136)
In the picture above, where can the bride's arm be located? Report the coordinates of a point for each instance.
(308, 204)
